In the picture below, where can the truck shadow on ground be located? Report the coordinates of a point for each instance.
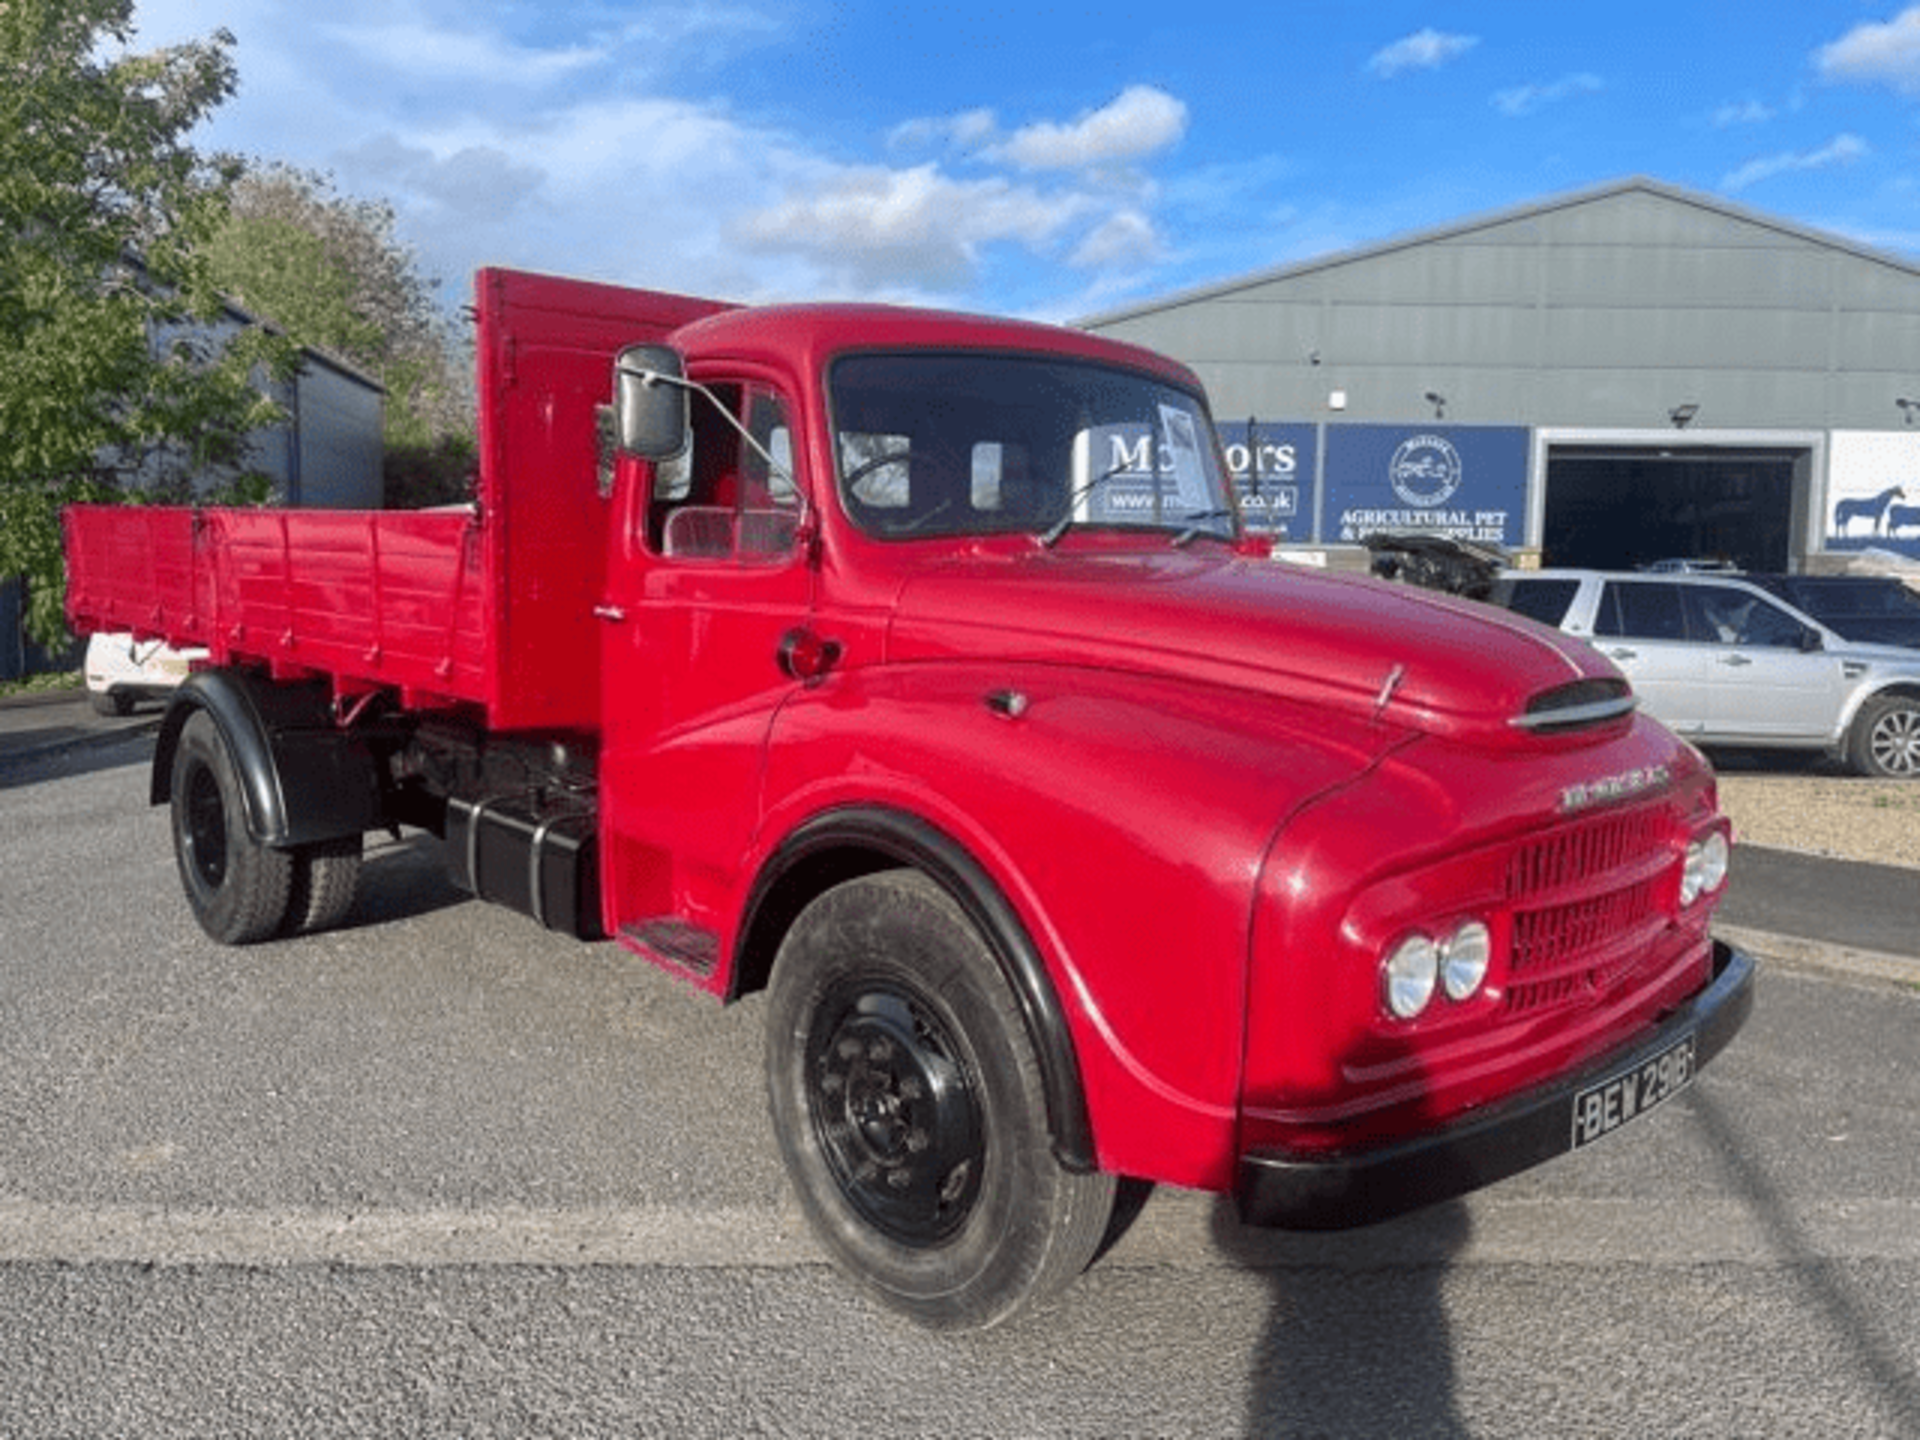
(1356, 1340)
(402, 880)
(1829, 1291)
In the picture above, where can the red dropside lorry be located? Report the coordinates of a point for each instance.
(915, 669)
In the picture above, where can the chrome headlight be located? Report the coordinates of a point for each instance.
(1410, 975)
(1706, 867)
(1464, 958)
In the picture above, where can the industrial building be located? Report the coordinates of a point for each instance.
(1622, 375)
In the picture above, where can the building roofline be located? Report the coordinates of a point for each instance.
(1455, 229)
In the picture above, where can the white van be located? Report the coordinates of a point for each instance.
(122, 671)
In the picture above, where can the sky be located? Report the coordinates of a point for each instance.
(1057, 161)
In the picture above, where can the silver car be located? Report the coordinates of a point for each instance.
(1722, 662)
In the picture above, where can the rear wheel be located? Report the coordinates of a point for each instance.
(322, 884)
(236, 887)
(910, 1111)
(110, 702)
(1885, 742)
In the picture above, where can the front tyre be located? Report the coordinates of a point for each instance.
(1885, 742)
(910, 1111)
(236, 887)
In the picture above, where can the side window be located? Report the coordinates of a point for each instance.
(1544, 600)
(1640, 610)
(1725, 615)
(731, 496)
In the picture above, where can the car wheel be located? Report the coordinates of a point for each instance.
(110, 702)
(909, 1108)
(1885, 742)
(236, 887)
(321, 887)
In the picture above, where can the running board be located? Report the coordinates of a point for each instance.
(675, 942)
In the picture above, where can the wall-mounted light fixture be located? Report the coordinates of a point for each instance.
(1907, 407)
(1682, 415)
(1439, 404)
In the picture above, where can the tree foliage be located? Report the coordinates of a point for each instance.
(330, 271)
(115, 367)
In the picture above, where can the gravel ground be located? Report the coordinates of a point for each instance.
(1839, 817)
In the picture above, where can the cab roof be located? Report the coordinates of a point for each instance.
(815, 334)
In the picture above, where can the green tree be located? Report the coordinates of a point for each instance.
(115, 367)
(331, 272)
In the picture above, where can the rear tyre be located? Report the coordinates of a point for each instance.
(236, 887)
(110, 702)
(910, 1111)
(321, 887)
(1885, 741)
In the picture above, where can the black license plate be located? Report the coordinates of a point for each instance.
(1605, 1106)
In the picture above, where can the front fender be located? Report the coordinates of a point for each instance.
(910, 841)
(1124, 819)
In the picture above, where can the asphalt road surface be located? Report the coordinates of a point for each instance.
(441, 1174)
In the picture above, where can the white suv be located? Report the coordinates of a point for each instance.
(1722, 662)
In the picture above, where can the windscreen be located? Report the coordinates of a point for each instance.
(955, 444)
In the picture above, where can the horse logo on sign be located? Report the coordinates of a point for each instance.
(1425, 471)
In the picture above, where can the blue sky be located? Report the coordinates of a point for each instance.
(1052, 160)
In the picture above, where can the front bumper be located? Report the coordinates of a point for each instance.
(1340, 1191)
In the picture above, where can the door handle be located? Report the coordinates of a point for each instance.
(805, 656)
(611, 613)
(1735, 660)
(1622, 652)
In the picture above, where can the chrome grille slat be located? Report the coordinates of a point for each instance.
(1585, 903)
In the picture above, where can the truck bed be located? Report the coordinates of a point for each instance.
(490, 604)
(371, 598)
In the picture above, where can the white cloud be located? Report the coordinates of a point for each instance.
(1140, 121)
(1748, 112)
(969, 130)
(1124, 239)
(1884, 54)
(436, 52)
(1526, 99)
(613, 143)
(1841, 150)
(1427, 49)
(890, 227)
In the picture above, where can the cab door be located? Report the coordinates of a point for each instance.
(709, 590)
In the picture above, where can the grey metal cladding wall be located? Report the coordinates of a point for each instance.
(1605, 309)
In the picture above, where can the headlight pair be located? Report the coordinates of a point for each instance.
(1420, 966)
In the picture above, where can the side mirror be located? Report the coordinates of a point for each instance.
(650, 401)
(1810, 641)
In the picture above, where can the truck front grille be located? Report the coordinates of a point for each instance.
(1586, 903)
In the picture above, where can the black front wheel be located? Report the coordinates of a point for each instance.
(910, 1110)
(237, 888)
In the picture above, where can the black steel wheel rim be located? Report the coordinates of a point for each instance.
(206, 827)
(896, 1108)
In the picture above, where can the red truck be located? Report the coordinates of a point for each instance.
(915, 669)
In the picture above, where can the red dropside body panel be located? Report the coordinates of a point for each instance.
(489, 605)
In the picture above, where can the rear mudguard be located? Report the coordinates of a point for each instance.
(304, 779)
